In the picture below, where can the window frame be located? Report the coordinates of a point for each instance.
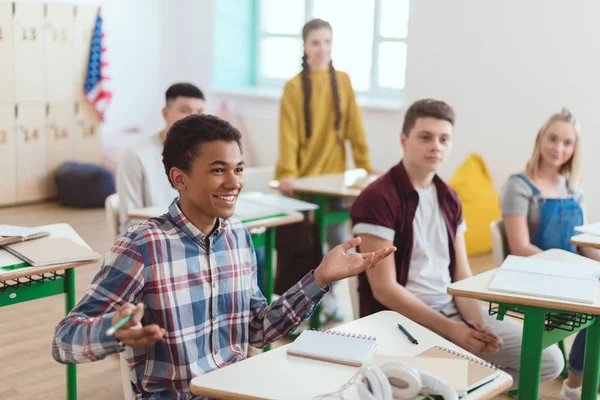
(375, 89)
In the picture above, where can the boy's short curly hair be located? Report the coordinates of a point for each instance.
(186, 135)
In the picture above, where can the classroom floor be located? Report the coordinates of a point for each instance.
(28, 369)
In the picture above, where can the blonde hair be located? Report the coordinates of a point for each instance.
(572, 168)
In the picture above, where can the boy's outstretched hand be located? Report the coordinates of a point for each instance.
(133, 333)
(337, 265)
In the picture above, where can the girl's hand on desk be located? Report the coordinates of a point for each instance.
(287, 185)
(133, 334)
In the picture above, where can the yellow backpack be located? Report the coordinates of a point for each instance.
(480, 203)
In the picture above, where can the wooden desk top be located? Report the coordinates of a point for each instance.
(477, 287)
(276, 375)
(586, 240)
(56, 230)
(335, 185)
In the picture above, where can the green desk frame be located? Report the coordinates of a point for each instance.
(537, 337)
(36, 287)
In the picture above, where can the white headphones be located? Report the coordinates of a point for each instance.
(398, 380)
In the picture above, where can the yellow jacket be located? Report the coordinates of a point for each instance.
(322, 153)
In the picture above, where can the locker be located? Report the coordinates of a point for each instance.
(29, 52)
(60, 136)
(7, 93)
(8, 155)
(32, 168)
(89, 138)
(60, 29)
(85, 21)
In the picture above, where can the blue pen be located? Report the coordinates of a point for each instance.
(408, 335)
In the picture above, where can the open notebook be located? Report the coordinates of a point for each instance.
(342, 348)
(50, 251)
(480, 372)
(547, 279)
(13, 234)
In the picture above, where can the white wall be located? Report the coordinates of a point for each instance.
(504, 67)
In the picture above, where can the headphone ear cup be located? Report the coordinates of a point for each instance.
(374, 385)
(369, 386)
(384, 384)
(437, 386)
(405, 381)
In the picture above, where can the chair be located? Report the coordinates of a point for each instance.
(500, 251)
(354, 298)
(500, 248)
(125, 379)
(111, 208)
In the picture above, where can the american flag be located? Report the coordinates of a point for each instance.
(97, 89)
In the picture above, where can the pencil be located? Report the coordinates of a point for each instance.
(111, 331)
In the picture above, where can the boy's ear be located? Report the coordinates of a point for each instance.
(178, 178)
(403, 138)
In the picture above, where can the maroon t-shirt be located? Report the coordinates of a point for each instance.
(391, 201)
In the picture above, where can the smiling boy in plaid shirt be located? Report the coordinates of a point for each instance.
(189, 277)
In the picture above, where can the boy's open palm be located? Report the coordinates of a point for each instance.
(337, 264)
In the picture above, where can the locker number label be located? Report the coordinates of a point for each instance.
(60, 35)
(31, 135)
(29, 34)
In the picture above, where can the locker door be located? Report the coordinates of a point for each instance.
(85, 21)
(60, 136)
(7, 94)
(29, 53)
(89, 135)
(60, 23)
(32, 168)
(8, 155)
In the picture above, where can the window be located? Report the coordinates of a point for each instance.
(369, 40)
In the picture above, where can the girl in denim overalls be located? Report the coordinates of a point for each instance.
(546, 195)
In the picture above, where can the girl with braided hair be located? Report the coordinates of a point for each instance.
(318, 114)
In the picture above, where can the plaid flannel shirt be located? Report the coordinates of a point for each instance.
(201, 290)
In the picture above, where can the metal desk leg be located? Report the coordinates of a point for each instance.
(531, 354)
(591, 363)
(69, 304)
(268, 273)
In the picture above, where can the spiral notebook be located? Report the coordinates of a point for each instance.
(333, 346)
(547, 279)
(479, 373)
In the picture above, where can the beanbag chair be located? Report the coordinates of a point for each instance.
(480, 203)
(83, 185)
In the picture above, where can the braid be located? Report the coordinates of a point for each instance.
(306, 87)
(336, 99)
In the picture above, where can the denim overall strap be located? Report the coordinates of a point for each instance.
(558, 218)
